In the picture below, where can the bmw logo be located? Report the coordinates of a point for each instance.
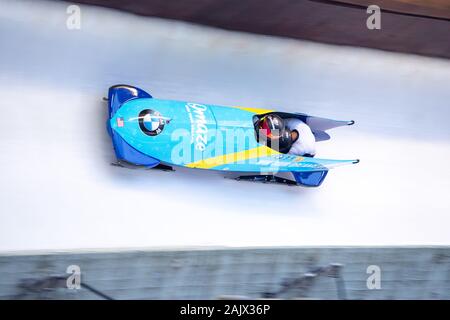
(151, 122)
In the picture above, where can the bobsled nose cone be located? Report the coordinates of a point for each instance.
(356, 161)
(351, 122)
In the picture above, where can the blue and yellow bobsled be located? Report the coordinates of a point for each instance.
(156, 133)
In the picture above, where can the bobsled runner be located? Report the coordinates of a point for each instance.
(154, 133)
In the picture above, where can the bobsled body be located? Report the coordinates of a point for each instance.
(150, 132)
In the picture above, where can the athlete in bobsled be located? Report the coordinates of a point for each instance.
(162, 134)
(292, 136)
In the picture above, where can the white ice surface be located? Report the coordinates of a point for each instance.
(59, 191)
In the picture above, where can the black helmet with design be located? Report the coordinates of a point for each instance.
(272, 129)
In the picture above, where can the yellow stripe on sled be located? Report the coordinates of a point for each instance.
(254, 110)
(261, 151)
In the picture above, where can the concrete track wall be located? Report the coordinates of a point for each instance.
(406, 273)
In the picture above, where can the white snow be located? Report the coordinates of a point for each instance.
(59, 191)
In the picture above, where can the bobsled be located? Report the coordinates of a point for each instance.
(164, 134)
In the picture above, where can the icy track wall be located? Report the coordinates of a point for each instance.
(59, 191)
(412, 26)
(320, 273)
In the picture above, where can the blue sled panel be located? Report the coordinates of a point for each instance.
(119, 94)
(126, 152)
(310, 178)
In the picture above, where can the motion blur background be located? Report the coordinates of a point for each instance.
(62, 203)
